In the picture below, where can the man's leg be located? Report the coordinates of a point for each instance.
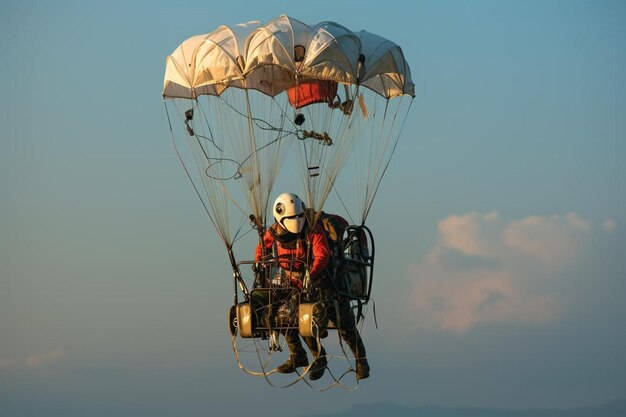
(319, 357)
(350, 334)
(297, 354)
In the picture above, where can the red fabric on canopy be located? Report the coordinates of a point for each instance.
(312, 91)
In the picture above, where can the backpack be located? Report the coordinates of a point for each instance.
(334, 228)
(350, 264)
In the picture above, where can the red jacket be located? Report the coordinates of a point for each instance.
(298, 251)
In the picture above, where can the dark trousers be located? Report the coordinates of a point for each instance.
(341, 315)
(338, 310)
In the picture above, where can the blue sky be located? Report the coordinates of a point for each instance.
(499, 227)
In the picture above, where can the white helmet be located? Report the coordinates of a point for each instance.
(289, 212)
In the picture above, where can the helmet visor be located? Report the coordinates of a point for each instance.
(293, 223)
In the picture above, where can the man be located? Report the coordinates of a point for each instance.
(290, 238)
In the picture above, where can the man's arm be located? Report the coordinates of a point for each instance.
(321, 252)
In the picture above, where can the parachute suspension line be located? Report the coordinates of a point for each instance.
(300, 134)
(191, 132)
(375, 160)
(343, 204)
(256, 120)
(180, 158)
(314, 171)
(227, 193)
(311, 176)
(304, 134)
(241, 224)
(255, 182)
(211, 165)
(189, 115)
(393, 149)
(238, 174)
(237, 236)
(210, 172)
(320, 163)
(212, 161)
(238, 171)
(211, 138)
(261, 148)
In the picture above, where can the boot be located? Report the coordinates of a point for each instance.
(294, 362)
(319, 366)
(362, 369)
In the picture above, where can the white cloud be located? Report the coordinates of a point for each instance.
(552, 239)
(32, 361)
(609, 225)
(44, 359)
(467, 233)
(486, 270)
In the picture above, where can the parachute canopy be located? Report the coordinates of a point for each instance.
(277, 56)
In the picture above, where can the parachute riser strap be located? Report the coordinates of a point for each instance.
(306, 284)
(258, 226)
(237, 275)
(374, 310)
